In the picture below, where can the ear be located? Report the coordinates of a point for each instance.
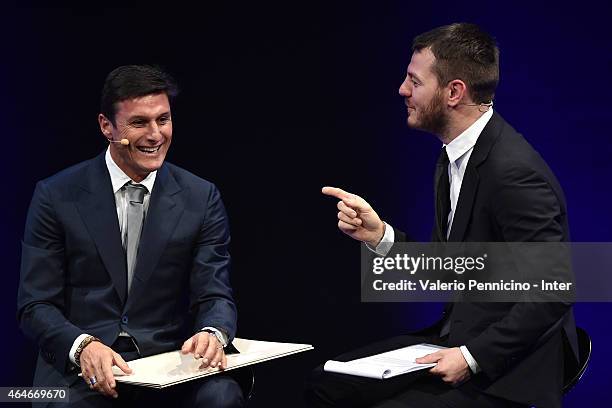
(106, 126)
(457, 90)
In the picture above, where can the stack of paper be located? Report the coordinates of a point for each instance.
(385, 365)
(167, 369)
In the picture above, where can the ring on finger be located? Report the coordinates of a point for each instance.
(92, 380)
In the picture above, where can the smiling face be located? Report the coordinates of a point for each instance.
(147, 124)
(424, 99)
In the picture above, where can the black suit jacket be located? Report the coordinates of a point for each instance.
(509, 194)
(74, 274)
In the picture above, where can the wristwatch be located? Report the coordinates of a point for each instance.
(218, 335)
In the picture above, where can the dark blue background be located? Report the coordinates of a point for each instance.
(280, 100)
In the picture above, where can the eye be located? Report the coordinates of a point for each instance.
(415, 83)
(163, 120)
(139, 123)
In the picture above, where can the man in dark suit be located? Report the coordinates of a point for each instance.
(125, 256)
(491, 186)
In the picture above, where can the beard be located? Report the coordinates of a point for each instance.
(433, 118)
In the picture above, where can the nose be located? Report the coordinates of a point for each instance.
(155, 133)
(405, 89)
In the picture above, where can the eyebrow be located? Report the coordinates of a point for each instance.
(412, 75)
(142, 117)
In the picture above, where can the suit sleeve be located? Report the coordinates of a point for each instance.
(40, 299)
(525, 208)
(400, 236)
(211, 297)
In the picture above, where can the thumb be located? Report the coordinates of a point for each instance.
(429, 358)
(356, 203)
(120, 362)
(187, 346)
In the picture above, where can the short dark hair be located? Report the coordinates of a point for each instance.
(463, 51)
(133, 81)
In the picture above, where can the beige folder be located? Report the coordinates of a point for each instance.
(168, 369)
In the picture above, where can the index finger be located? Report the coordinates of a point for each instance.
(120, 362)
(336, 192)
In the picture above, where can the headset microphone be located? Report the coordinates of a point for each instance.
(124, 142)
(482, 107)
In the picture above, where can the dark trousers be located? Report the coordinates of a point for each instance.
(418, 389)
(219, 390)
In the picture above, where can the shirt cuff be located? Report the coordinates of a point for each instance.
(220, 332)
(74, 347)
(385, 244)
(474, 367)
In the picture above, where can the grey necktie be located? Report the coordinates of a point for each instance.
(135, 215)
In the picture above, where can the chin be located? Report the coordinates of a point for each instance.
(152, 165)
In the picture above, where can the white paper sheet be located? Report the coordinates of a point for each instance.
(385, 365)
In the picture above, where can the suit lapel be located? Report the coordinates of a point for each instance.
(165, 210)
(463, 212)
(96, 205)
(440, 168)
(471, 178)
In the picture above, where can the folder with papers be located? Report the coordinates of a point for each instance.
(168, 369)
(385, 365)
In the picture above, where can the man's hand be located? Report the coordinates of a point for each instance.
(97, 360)
(356, 218)
(206, 346)
(451, 366)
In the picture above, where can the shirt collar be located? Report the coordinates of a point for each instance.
(467, 139)
(119, 178)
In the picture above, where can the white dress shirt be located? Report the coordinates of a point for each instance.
(459, 151)
(118, 180)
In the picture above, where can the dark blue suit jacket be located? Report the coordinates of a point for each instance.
(74, 276)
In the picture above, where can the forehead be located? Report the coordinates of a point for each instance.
(148, 105)
(421, 63)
